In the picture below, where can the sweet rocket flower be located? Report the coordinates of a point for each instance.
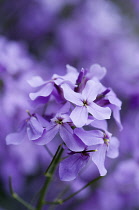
(45, 88)
(61, 124)
(85, 103)
(107, 145)
(31, 127)
(98, 144)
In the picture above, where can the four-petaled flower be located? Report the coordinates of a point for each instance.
(85, 103)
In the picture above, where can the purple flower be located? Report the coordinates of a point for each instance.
(32, 127)
(106, 145)
(45, 88)
(61, 124)
(85, 103)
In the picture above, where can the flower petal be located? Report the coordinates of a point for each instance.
(89, 138)
(48, 135)
(98, 112)
(42, 120)
(72, 141)
(100, 124)
(116, 115)
(71, 166)
(111, 96)
(113, 150)
(99, 157)
(34, 129)
(97, 71)
(71, 96)
(79, 116)
(45, 91)
(91, 90)
(16, 138)
(36, 81)
(64, 109)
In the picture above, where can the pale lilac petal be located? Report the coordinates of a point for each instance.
(58, 81)
(89, 138)
(16, 138)
(39, 100)
(113, 149)
(98, 112)
(116, 115)
(97, 71)
(70, 77)
(71, 69)
(91, 90)
(79, 116)
(34, 129)
(36, 81)
(72, 74)
(45, 91)
(111, 96)
(99, 157)
(71, 166)
(102, 124)
(64, 109)
(42, 121)
(48, 135)
(72, 141)
(71, 96)
(66, 118)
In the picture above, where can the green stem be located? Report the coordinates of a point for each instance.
(78, 191)
(18, 198)
(60, 201)
(49, 174)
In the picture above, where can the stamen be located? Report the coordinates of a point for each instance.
(85, 103)
(28, 112)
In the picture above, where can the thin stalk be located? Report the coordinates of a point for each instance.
(49, 174)
(78, 191)
(18, 198)
(60, 201)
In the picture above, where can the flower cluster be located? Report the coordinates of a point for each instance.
(75, 106)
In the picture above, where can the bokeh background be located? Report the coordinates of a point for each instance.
(39, 37)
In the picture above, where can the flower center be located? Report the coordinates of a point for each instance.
(85, 103)
(59, 121)
(106, 141)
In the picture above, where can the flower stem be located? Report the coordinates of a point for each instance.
(49, 174)
(18, 198)
(60, 201)
(78, 191)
